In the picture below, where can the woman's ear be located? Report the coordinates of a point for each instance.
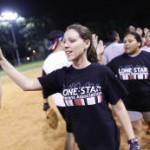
(139, 44)
(87, 42)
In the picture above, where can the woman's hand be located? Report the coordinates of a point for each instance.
(133, 144)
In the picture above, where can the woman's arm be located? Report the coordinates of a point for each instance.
(22, 81)
(123, 117)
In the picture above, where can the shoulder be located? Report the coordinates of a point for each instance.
(118, 58)
(55, 56)
(143, 52)
(49, 58)
(145, 55)
(97, 66)
(108, 48)
(101, 68)
(55, 61)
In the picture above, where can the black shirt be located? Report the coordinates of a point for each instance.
(87, 93)
(134, 73)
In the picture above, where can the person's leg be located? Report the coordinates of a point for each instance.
(146, 116)
(62, 111)
(70, 141)
(136, 120)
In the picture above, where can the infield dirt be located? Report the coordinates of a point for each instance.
(23, 125)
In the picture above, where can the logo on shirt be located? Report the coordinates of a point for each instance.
(133, 73)
(78, 95)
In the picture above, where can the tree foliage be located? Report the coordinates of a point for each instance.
(31, 34)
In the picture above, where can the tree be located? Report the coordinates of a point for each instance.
(35, 32)
(31, 36)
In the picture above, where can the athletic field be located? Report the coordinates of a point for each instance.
(23, 125)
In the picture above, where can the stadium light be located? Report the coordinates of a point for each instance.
(10, 16)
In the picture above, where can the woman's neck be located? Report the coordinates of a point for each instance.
(135, 54)
(81, 64)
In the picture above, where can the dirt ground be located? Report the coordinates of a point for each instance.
(23, 125)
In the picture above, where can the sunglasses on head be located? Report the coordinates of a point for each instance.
(54, 42)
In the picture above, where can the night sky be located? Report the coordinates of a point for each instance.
(68, 11)
(105, 14)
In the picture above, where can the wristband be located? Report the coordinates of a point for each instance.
(132, 141)
(46, 106)
(133, 144)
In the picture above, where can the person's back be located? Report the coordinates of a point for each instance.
(56, 60)
(114, 49)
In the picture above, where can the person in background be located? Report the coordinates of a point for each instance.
(147, 41)
(133, 69)
(141, 32)
(114, 48)
(56, 60)
(145, 30)
(137, 116)
(113, 52)
(87, 88)
(146, 115)
(131, 28)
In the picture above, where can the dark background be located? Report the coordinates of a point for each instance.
(105, 15)
(100, 15)
(64, 12)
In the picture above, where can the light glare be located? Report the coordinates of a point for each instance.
(9, 15)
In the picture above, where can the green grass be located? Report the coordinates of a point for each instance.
(25, 67)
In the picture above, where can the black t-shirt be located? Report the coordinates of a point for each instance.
(134, 73)
(87, 93)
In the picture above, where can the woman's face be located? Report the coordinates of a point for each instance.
(75, 47)
(131, 45)
(147, 38)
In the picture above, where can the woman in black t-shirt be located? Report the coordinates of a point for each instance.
(133, 70)
(87, 89)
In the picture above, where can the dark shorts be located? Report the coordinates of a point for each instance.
(62, 111)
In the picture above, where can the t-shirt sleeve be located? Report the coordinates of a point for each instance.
(114, 88)
(50, 83)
